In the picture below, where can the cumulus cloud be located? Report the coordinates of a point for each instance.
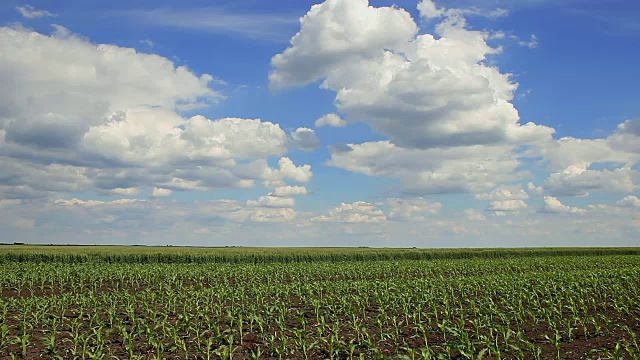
(626, 138)
(553, 205)
(504, 192)
(160, 192)
(448, 115)
(360, 31)
(30, 12)
(533, 189)
(629, 201)
(156, 136)
(421, 91)
(568, 151)
(305, 138)
(123, 191)
(428, 9)
(357, 212)
(289, 191)
(288, 170)
(506, 205)
(272, 215)
(450, 170)
(578, 180)
(71, 119)
(581, 166)
(330, 119)
(412, 209)
(273, 201)
(232, 222)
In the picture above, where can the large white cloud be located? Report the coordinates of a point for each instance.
(336, 32)
(553, 205)
(156, 136)
(568, 151)
(57, 86)
(578, 180)
(421, 91)
(448, 115)
(460, 169)
(581, 166)
(76, 116)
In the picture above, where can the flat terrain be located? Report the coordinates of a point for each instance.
(236, 303)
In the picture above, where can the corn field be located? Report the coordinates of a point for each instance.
(320, 304)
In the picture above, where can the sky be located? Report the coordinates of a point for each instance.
(342, 123)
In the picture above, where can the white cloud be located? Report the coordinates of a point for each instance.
(578, 180)
(361, 223)
(330, 119)
(504, 192)
(531, 44)
(533, 189)
(158, 137)
(569, 151)
(412, 209)
(76, 121)
(627, 138)
(273, 201)
(629, 201)
(273, 215)
(357, 212)
(287, 190)
(460, 169)
(160, 192)
(421, 91)
(305, 138)
(123, 191)
(429, 10)
(336, 32)
(30, 12)
(288, 170)
(69, 80)
(553, 205)
(75, 202)
(506, 205)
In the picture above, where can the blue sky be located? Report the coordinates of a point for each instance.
(443, 124)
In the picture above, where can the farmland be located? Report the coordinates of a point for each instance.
(235, 303)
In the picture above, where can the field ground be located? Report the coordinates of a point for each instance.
(242, 303)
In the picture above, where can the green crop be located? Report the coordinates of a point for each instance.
(334, 304)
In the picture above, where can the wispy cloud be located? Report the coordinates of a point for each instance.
(531, 44)
(29, 12)
(272, 27)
